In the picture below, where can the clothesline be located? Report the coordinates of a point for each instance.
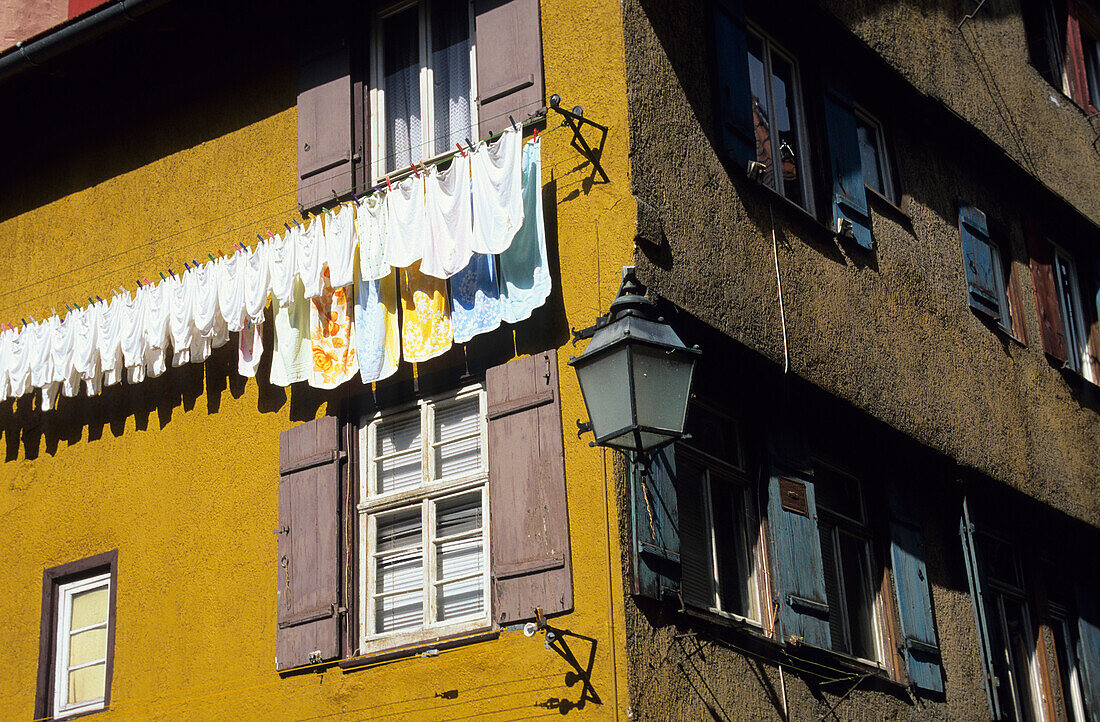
(444, 233)
(206, 239)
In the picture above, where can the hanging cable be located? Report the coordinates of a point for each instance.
(779, 283)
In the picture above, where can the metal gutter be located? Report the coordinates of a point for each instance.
(27, 55)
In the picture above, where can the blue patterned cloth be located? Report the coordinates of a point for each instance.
(376, 332)
(475, 298)
(524, 267)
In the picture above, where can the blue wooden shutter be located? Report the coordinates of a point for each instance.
(914, 595)
(796, 559)
(845, 164)
(974, 576)
(734, 92)
(655, 528)
(1088, 633)
(978, 259)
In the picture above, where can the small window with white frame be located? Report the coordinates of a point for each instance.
(423, 516)
(1073, 318)
(720, 536)
(778, 119)
(80, 653)
(848, 565)
(874, 160)
(423, 82)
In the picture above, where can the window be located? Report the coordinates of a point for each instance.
(1045, 25)
(873, 157)
(1073, 323)
(77, 637)
(1091, 47)
(1019, 691)
(777, 117)
(989, 273)
(423, 90)
(847, 564)
(1063, 626)
(386, 516)
(1064, 44)
(719, 529)
(424, 514)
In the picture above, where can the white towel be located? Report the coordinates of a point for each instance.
(283, 265)
(309, 257)
(497, 193)
(371, 220)
(340, 243)
(450, 230)
(407, 223)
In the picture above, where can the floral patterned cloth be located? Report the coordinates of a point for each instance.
(332, 332)
(475, 298)
(377, 333)
(426, 320)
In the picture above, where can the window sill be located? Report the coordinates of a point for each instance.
(772, 195)
(885, 203)
(76, 715)
(438, 643)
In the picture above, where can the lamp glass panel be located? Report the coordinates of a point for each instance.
(662, 382)
(605, 385)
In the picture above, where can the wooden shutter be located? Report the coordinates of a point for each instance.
(1046, 291)
(979, 260)
(325, 142)
(845, 163)
(976, 580)
(655, 528)
(529, 533)
(734, 104)
(309, 544)
(914, 596)
(796, 560)
(509, 62)
(1088, 634)
(696, 571)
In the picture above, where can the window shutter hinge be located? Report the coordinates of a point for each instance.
(337, 610)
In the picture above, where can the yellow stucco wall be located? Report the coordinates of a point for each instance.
(180, 473)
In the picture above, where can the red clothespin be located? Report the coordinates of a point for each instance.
(272, 235)
(460, 149)
(388, 186)
(536, 134)
(147, 282)
(415, 169)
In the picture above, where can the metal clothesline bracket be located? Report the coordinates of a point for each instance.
(576, 121)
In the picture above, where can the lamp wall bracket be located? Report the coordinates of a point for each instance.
(576, 121)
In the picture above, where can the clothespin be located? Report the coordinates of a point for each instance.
(536, 134)
(354, 197)
(469, 144)
(196, 263)
(99, 299)
(162, 276)
(513, 122)
(287, 228)
(68, 307)
(261, 238)
(415, 169)
(147, 282)
(334, 196)
(171, 273)
(272, 235)
(24, 321)
(388, 186)
(90, 301)
(138, 283)
(186, 266)
(460, 150)
(211, 255)
(296, 222)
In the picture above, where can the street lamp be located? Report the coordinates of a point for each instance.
(635, 375)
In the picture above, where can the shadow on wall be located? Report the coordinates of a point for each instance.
(143, 93)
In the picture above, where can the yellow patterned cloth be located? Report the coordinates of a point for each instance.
(332, 333)
(426, 317)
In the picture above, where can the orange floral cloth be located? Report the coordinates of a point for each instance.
(425, 315)
(332, 332)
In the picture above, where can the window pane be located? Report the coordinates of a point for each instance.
(458, 515)
(834, 594)
(1092, 67)
(1065, 645)
(451, 72)
(401, 611)
(1000, 561)
(399, 531)
(87, 683)
(458, 434)
(857, 596)
(867, 135)
(838, 492)
(460, 557)
(400, 437)
(785, 127)
(87, 646)
(760, 118)
(401, 84)
(729, 539)
(1019, 652)
(460, 599)
(89, 608)
(714, 434)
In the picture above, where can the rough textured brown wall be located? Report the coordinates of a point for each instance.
(888, 331)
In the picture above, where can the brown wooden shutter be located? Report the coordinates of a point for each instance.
(309, 544)
(325, 143)
(529, 531)
(1046, 291)
(509, 62)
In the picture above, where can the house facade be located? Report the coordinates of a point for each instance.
(879, 221)
(198, 544)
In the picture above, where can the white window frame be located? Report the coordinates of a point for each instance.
(1072, 698)
(844, 524)
(65, 594)
(771, 46)
(888, 191)
(380, 164)
(1073, 317)
(426, 495)
(1005, 310)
